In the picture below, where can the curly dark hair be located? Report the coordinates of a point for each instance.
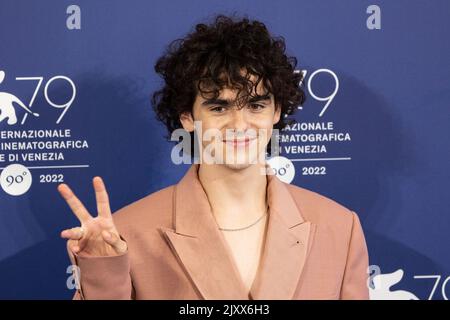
(198, 62)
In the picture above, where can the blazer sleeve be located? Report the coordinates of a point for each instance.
(354, 285)
(101, 277)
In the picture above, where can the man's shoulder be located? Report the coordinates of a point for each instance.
(320, 209)
(154, 208)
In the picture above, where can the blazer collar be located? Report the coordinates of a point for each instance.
(201, 248)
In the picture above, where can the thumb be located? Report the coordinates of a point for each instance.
(114, 241)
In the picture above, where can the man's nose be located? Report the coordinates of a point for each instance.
(239, 119)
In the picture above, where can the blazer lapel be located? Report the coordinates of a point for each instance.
(199, 245)
(201, 249)
(288, 240)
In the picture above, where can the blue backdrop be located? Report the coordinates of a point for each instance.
(378, 87)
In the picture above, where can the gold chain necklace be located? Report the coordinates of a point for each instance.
(243, 228)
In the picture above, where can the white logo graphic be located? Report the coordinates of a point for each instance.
(73, 21)
(283, 167)
(374, 20)
(6, 105)
(73, 281)
(381, 287)
(15, 179)
(6, 99)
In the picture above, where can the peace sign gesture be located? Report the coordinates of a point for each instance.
(97, 236)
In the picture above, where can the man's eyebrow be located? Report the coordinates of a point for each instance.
(265, 97)
(220, 102)
(223, 102)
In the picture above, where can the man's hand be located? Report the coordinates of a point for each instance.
(97, 236)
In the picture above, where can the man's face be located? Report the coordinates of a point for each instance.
(232, 136)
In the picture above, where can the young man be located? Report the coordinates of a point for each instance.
(230, 229)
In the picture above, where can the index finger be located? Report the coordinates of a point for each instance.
(74, 203)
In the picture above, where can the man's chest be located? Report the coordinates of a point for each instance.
(246, 247)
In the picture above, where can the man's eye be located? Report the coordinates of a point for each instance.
(218, 109)
(256, 107)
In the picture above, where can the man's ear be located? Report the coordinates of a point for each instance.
(187, 121)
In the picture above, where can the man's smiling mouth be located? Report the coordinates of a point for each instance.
(239, 142)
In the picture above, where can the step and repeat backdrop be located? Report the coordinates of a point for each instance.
(76, 79)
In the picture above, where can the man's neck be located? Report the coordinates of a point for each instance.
(237, 196)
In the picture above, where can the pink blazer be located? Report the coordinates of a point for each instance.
(314, 249)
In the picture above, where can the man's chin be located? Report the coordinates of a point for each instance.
(238, 166)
